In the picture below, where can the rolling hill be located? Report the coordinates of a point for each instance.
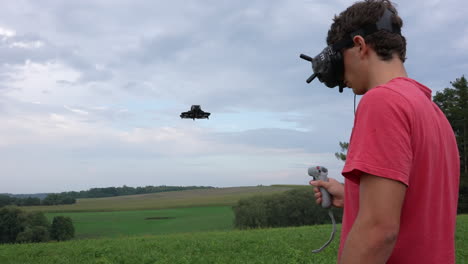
(164, 200)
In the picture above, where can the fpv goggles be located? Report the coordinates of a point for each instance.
(328, 65)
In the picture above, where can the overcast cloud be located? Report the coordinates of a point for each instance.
(91, 91)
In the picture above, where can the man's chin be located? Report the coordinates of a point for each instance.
(358, 91)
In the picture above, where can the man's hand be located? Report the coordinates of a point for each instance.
(335, 188)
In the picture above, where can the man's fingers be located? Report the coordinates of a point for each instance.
(318, 196)
(320, 184)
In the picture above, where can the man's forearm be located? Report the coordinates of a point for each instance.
(368, 244)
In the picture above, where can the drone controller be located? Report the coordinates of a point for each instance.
(320, 173)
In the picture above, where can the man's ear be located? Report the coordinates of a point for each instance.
(361, 44)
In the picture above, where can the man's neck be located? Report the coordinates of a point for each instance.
(382, 72)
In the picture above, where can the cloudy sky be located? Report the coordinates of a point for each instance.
(91, 91)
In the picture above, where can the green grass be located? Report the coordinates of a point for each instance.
(126, 223)
(164, 200)
(281, 245)
(278, 245)
(461, 241)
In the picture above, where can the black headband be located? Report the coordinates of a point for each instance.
(384, 23)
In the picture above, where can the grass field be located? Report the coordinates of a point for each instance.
(150, 222)
(278, 245)
(164, 200)
(185, 233)
(283, 245)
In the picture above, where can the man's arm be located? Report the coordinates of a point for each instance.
(375, 230)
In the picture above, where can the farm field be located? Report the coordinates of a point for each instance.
(165, 200)
(278, 245)
(149, 222)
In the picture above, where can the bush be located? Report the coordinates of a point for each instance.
(252, 213)
(62, 228)
(33, 234)
(18, 226)
(293, 208)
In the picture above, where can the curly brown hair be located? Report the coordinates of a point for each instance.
(368, 12)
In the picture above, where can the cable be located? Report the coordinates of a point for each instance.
(354, 104)
(330, 213)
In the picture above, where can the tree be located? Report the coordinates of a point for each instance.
(454, 103)
(12, 222)
(31, 201)
(37, 219)
(5, 200)
(62, 228)
(344, 148)
(67, 200)
(19, 226)
(51, 199)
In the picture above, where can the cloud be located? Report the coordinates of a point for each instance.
(6, 33)
(93, 89)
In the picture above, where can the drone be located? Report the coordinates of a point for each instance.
(195, 112)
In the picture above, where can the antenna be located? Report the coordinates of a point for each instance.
(307, 58)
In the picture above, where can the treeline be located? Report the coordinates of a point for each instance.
(126, 190)
(17, 226)
(51, 199)
(292, 208)
(70, 197)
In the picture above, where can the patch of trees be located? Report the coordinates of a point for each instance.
(51, 199)
(8, 200)
(126, 190)
(296, 207)
(56, 199)
(17, 226)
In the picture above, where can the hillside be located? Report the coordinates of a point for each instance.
(163, 200)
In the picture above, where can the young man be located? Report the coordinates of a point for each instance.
(402, 169)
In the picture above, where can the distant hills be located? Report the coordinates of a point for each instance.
(110, 191)
(164, 200)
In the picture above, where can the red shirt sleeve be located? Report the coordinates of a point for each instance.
(380, 143)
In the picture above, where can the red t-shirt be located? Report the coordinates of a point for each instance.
(400, 134)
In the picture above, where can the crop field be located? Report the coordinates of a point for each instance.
(164, 200)
(278, 245)
(150, 222)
